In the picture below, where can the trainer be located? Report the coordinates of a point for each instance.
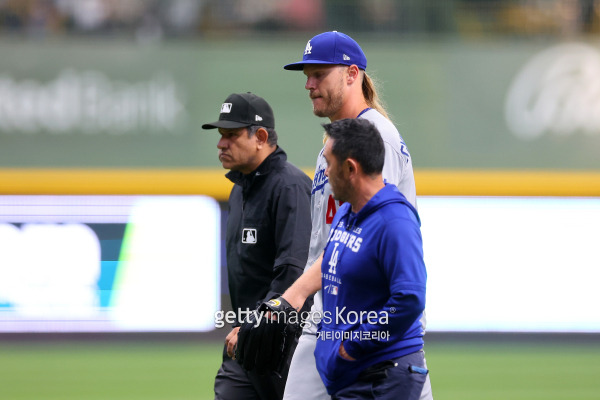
(268, 229)
(373, 277)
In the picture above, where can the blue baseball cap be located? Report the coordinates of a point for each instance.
(331, 48)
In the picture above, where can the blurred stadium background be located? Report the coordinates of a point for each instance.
(112, 200)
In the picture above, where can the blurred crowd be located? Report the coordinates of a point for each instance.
(157, 19)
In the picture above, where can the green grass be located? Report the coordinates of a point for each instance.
(185, 370)
(102, 371)
(514, 371)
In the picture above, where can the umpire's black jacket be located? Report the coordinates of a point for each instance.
(268, 230)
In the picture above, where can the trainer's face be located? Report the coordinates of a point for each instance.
(340, 186)
(237, 151)
(325, 84)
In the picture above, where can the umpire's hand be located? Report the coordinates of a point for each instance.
(231, 342)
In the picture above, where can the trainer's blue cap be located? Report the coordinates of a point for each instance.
(331, 48)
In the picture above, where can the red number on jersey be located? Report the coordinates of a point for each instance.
(331, 209)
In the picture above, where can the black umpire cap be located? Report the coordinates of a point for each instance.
(243, 109)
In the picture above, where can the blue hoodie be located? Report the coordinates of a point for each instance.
(373, 278)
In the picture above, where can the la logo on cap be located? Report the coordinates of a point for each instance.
(258, 118)
(226, 108)
(308, 48)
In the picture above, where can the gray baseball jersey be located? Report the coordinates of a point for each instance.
(304, 382)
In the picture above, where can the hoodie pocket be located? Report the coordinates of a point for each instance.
(328, 358)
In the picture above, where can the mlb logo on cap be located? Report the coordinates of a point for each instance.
(240, 110)
(331, 48)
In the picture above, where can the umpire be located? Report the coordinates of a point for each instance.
(268, 230)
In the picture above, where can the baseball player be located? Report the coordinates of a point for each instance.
(339, 87)
(373, 276)
(267, 231)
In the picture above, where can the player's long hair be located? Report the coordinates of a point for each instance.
(369, 89)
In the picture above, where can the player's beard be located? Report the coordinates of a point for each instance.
(333, 104)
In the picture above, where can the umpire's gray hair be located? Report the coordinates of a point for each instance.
(271, 140)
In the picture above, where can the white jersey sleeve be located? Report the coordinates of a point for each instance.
(397, 169)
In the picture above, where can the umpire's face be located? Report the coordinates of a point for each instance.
(237, 151)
